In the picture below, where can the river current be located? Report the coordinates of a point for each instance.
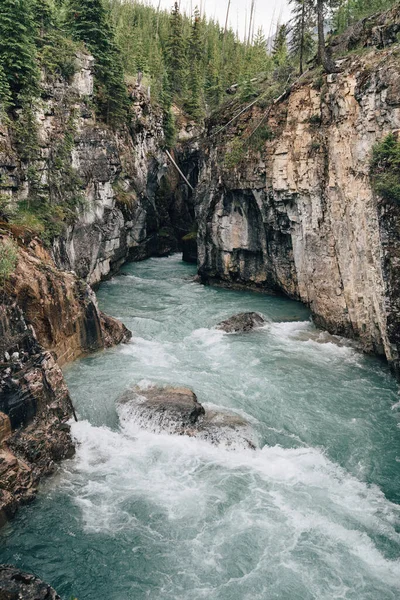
(312, 514)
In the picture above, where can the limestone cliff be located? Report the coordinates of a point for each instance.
(299, 216)
(129, 208)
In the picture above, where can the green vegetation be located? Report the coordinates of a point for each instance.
(18, 56)
(188, 62)
(190, 236)
(385, 169)
(348, 12)
(89, 21)
(8, 259)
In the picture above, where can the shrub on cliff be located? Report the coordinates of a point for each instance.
(8, 259)
(385, 168)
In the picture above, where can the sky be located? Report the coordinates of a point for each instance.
(266, 12)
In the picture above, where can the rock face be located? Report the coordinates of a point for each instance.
(177, 411)
(134, 203)
(17, 585)
(242, 323)
(61, 308)
(34, 408)
(189, 246)
(300, 216)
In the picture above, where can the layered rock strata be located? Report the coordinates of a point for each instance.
(34, 409)
(61, 307)
(299, 216)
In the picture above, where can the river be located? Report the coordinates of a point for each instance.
(312, 514)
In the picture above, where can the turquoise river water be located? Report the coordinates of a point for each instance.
(313, 513)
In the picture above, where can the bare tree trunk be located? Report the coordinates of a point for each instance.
(303, 24)
(158, 16)
(225, 30)
(251, 21)
(323, 58)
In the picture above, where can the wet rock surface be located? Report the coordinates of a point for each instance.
(18, 585)
(167, 407)
(60, 307)
(242, 323)
(34, 409)
(177, 411)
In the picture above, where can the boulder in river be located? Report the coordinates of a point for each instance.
(17, 585)
(168, 408)
(242, 323)
(177, 411)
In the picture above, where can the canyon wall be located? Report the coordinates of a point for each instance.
(34, 409)
(133, 204)
(298, 216)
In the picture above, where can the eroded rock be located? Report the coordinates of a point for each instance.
(17, 585)
(168, 408)
(177, 411)
(34, 409)
(300, 217)
(242, 323)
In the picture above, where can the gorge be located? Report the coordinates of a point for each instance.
(297, 495)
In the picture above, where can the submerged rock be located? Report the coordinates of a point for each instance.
(242, 323)
(177, 411)
(17, 585)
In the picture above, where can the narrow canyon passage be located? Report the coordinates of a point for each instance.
(312, 513)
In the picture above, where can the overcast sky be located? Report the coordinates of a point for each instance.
(267, 11)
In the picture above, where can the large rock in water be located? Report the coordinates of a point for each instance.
(16, 585)
(242, 323)
(168, 408)
(177, 411)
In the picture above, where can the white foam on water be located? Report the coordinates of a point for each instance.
(299, 502)
(303, 334)
(150, 352)
(208, 337)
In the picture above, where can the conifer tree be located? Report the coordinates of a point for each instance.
(280, 50)
(43, 16)
(260, 61)
(89, 22)
(176, 53)
(301, 37)
(195, 102)
(17, 48)
(323, 57)
(5, 93)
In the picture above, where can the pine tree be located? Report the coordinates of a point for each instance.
(260, 61)
(5, 93)
(195, 102)
(176, 53)
(280, 50)
(17, 48)
(43, 15)
(301, 37)
(323, 58)
(89, 22)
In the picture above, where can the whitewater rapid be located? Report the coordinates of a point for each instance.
(312, 513)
